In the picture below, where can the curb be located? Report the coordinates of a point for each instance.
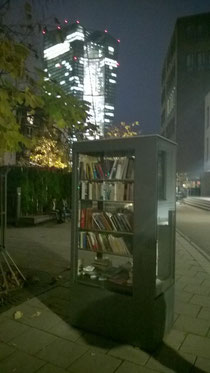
(196, 252)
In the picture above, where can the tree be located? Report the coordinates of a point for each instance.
(124, 130)
(23, 97)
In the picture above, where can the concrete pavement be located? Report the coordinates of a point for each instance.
(43, 341)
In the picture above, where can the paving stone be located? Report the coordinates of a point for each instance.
(196, 289)
(130, 353)
(95, 362)
(190, 280)
(203, 364)
(174, 338)
(57, 292)
(206, 282)
(182, 296)
(24, 307)
(64, 330)
(40, 319)
(197, 345)
(35, 302)
(168, 361)
(202, 300)
(203, 275)
(59, 306)
(204, 313)
(5, 350)
(33, 340)
(49, 368)
(61, 352)
(187, 308)
(126, 367)
(192, 325)
(20, 362)
(3, 318)
(11, 329)
(96, 342)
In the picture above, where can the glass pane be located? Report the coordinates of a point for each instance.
(105, 222)
(165, 219)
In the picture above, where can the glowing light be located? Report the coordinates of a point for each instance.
(43, 32)
(75, 36)
(118, 64)
(106, 30)
(65, 20)
(56, 50)
(75, 58)
(59, 27)
(118, 40)
(77, 21)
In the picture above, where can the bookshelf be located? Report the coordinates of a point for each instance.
(122, 237)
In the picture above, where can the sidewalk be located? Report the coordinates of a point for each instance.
(42, 340)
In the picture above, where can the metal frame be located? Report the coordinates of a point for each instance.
(144, 317)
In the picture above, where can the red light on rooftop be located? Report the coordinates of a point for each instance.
(75, 58)
(43, 32)
(106, 30)
(77, 21)
(118, 40)
(59, 27)
(65, 20)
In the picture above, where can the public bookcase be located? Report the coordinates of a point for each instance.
(123, 238)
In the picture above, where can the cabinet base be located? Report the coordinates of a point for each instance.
(120, 317)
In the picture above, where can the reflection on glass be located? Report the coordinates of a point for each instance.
(165, 220)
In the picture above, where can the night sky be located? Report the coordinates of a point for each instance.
(144, 28)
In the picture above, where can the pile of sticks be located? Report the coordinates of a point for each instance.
(11, 276)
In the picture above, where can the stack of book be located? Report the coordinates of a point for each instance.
(99, 242)
(118, 168)
(91, 218)
(106, 191)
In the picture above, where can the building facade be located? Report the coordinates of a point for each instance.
(185, 83)
(85, 64)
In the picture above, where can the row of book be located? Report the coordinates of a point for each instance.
(100, 242)
(106, 191)
(91, 218)
(107, 168)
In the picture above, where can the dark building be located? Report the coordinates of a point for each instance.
(185, 83)
(85, 64)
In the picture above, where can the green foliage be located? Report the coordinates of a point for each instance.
(124, 130)
(21, 95)
(39, 186)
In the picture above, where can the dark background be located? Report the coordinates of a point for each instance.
(144, 28)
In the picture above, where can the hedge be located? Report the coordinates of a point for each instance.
(38, 189)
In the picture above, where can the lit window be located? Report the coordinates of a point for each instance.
(112, 81)
(56, 50)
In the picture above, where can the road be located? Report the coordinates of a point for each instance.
(195, 224)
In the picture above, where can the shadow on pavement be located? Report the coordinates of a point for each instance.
(59, 300)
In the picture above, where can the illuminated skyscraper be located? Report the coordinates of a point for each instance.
(85, 64)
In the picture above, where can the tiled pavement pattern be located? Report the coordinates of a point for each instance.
(43, 341)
